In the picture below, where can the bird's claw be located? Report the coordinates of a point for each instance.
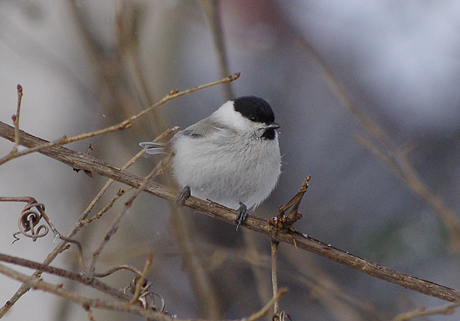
(242, 215)
(183, 195)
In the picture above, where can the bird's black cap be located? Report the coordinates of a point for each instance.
(255, 109)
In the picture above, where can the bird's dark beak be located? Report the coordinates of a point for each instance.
(273, 126)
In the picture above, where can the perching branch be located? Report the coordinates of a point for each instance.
(96, 166)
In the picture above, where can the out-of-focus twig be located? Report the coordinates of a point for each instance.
(446, 310)
(274, 246)
(211, 8)
(200, 281)
(114, 227)
(395, 158)
(259, 314)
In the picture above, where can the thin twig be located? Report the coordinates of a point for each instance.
(259, 314)
(78, 277)
(120, 126)
(114, 227)
(107, 207)
(16, 120)
(36, 283)
(78, 225)
(301, 241)
(141, 279)
(391, 155)
(211, 8)
(446, 310)
(274, 247)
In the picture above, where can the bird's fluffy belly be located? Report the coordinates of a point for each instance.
(228, 176)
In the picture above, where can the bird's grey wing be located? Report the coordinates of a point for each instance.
(202, 128)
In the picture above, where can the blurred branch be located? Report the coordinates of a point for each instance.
(290, 236)
(200, 281)
(392, 156)
(115, 225)
(274, 247)
(211, 9)
(446, 310)
(276, 296)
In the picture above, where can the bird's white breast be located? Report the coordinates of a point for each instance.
(228, 168)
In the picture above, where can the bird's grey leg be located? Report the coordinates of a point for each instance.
(183, 195)
(242, 215)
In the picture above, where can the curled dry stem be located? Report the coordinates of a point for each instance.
(31, 215)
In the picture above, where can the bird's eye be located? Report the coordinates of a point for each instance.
(253, 118)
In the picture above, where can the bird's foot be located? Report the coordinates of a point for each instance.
(242, 215)
(183, 195)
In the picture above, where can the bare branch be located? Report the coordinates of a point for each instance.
(84, 161)
(65, 274)
(120, 126)
(16, 120)
(211, 8)
(80, 223)
(85, 302)
(274, 246)
(446, 310)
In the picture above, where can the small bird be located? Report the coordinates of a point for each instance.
(231, 157)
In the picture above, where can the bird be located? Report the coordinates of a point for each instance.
(231, 157)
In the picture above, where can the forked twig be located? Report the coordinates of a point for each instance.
(284, 222)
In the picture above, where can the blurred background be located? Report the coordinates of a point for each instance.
(324, 66)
